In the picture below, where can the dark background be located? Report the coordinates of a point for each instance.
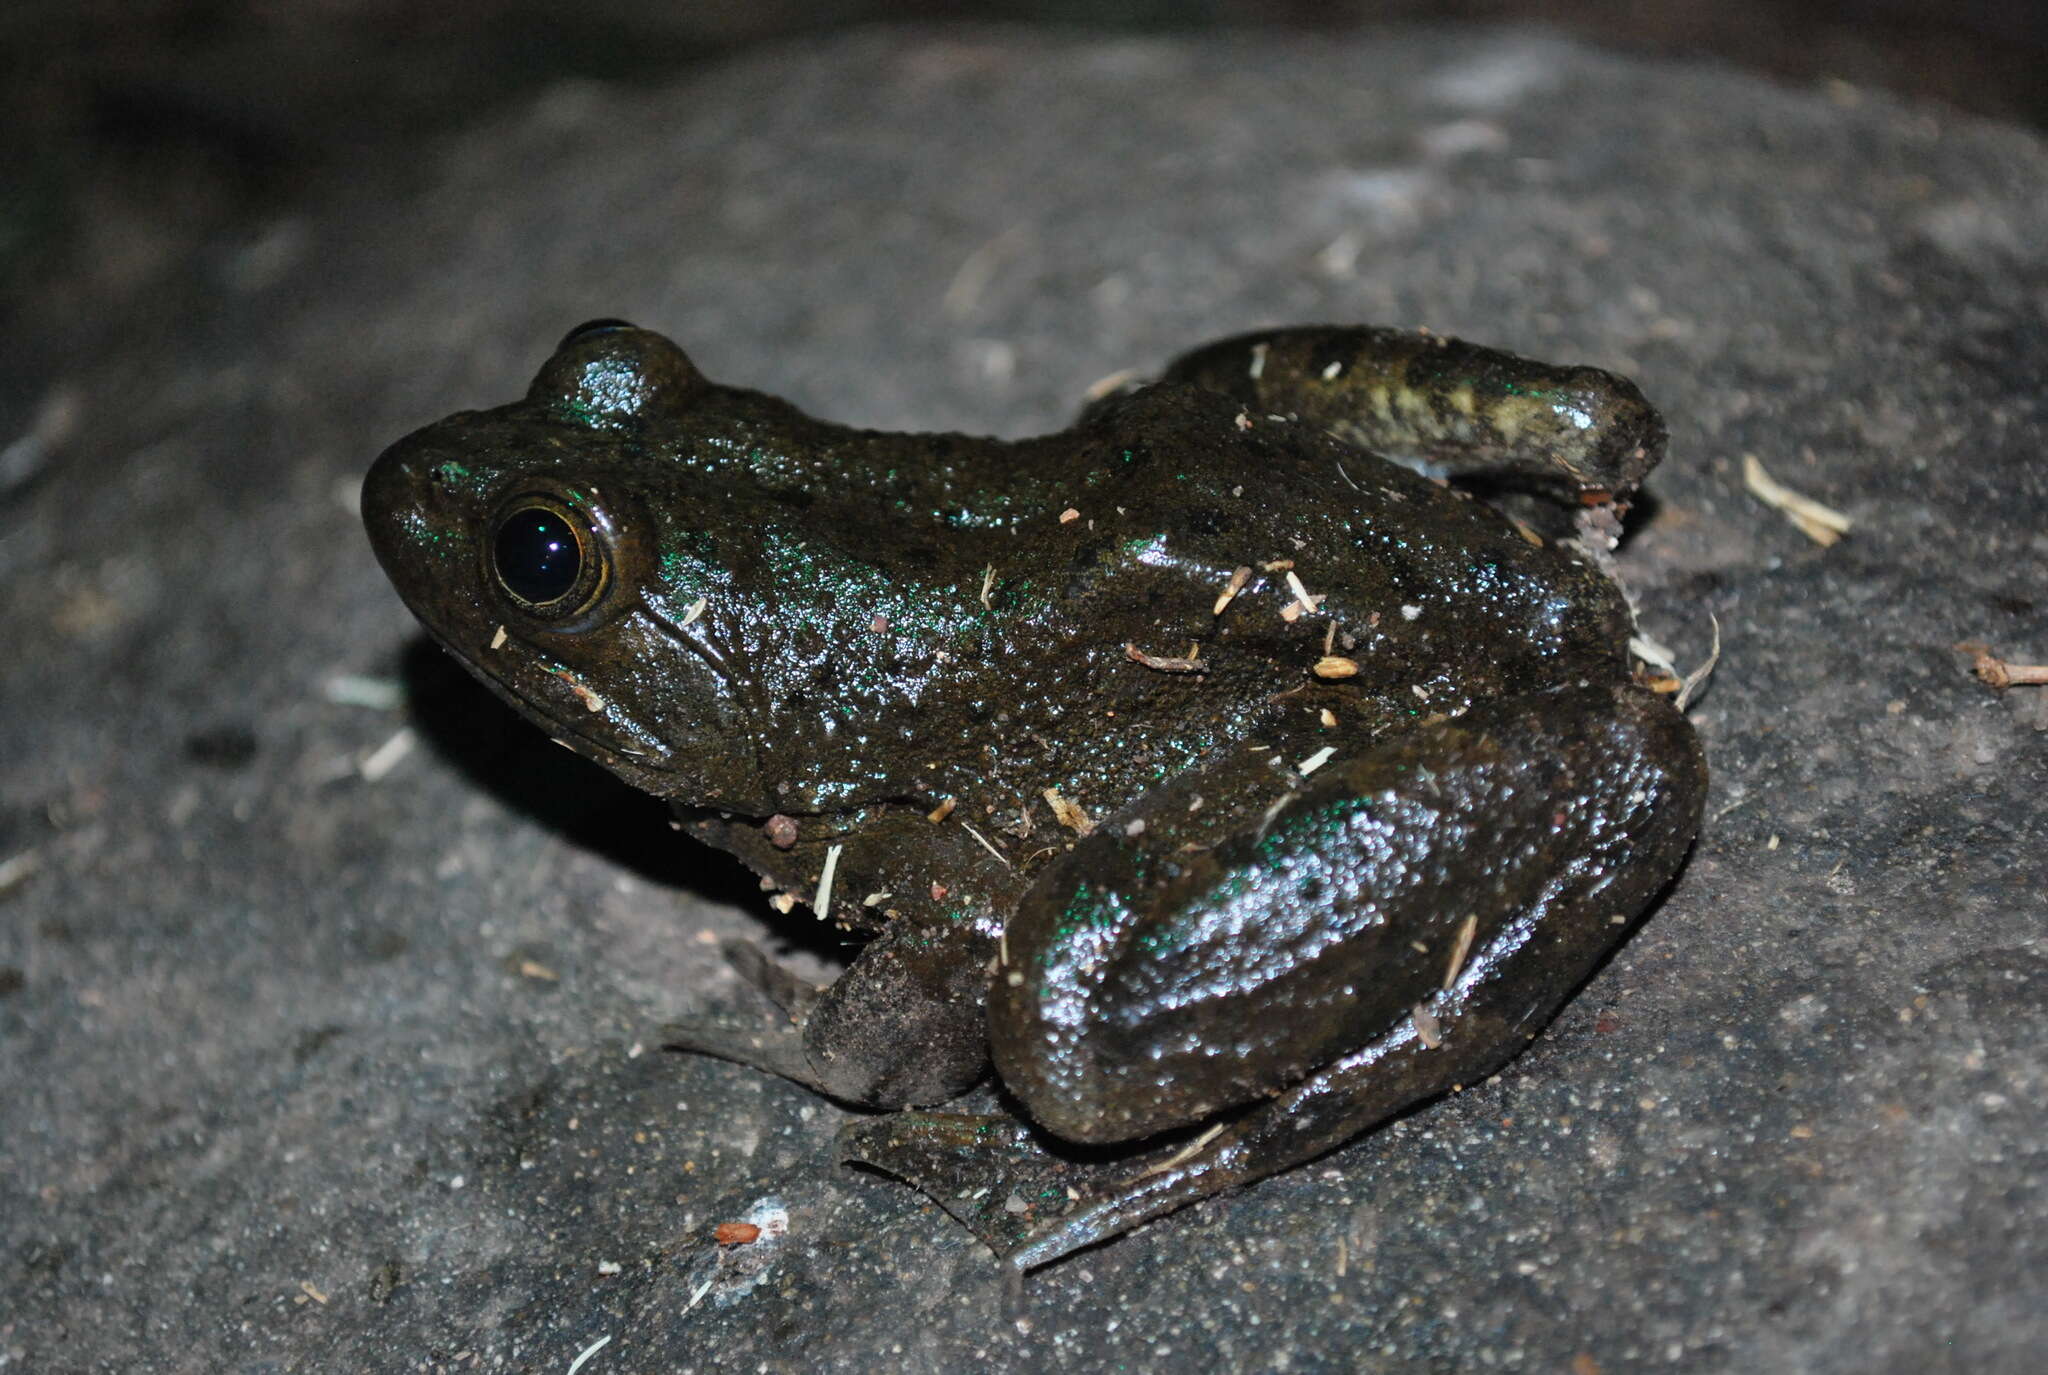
(136, 128)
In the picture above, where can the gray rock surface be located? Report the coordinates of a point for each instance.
(306, 1070)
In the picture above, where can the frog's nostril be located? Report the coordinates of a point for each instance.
(380, 492)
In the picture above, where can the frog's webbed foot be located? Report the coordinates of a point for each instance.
(997, 1177)
(1033, 1199)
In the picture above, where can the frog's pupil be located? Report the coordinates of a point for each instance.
(537, 555)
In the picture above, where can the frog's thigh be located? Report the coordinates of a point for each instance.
(1148, 985)
(1459, 1036)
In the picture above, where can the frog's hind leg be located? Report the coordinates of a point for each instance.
(1464, 410)
(1454, 1037)
(1330, 952)
(1226, 950)
(1033, 1199)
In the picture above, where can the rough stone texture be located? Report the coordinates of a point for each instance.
(302, 1071)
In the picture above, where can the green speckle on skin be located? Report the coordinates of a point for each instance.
(1320, 830)
(844, 587)
(686, 572)
(1088, 910)
(440, 540)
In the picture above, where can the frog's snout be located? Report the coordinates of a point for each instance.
(391, 508)
(417, 508)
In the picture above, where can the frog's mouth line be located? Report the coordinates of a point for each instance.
(635, 767)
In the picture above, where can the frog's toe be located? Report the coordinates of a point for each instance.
(987, 1171)
(777, 1047)
(780, 984)
(1029, 1198)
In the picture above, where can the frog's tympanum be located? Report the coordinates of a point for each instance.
(1218, 783)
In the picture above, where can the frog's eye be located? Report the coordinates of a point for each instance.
(547, 558)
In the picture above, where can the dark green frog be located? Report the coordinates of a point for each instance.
(1224, 785)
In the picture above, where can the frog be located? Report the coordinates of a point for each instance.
(1201, 785)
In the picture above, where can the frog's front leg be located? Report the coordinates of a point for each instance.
(1468, 410)
(905, 1024)
(1404, 921)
